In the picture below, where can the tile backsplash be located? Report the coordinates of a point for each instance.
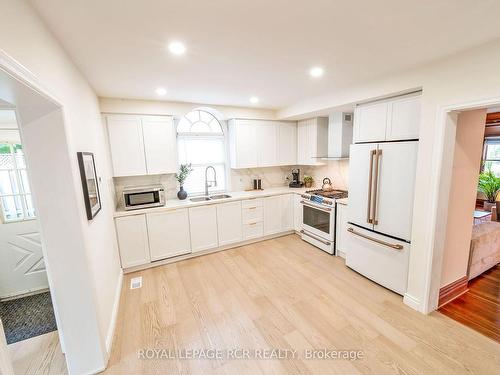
(241, 179)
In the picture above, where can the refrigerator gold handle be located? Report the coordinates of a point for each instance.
(394, 246)
(378, 153)
(370, 183)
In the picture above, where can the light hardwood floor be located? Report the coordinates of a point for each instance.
(284, 293)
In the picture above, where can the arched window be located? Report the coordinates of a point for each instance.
(200, 141)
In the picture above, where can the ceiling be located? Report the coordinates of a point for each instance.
(265, 48)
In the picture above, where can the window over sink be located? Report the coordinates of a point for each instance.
(201, 142)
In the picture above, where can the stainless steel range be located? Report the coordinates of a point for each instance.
(318, 218)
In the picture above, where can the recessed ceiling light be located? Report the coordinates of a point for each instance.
(177, 48)
(316, 71)
(161, 91)
(254, 100)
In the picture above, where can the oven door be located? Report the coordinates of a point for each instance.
(318, 220)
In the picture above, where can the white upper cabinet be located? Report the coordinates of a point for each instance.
(127, 145)
(243, 144)
(312, 141)
(389, 120)
(267, 140)
(229, 223)
(168, 234)
(287, 143)
(142, 145)
(159, 144)
(133, 242)
(203, 228)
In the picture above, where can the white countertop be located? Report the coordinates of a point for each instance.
(343, 201)
(172, 204)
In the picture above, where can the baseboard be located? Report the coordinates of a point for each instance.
(453, 290)
(24, 293)
(413, 302)
(114, 315)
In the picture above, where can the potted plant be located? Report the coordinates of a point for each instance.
(184, 171)
(489, 185)
(308, 181)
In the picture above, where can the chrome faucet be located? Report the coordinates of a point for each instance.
(209, 183)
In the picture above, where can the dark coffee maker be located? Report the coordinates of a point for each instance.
(296, 183)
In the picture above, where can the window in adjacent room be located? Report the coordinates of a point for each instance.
(201, 142)
(491, 155)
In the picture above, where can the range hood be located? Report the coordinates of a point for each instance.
(339, 135)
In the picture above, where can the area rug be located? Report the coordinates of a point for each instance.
(27, 317)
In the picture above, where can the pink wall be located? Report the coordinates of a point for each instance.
(462, 198)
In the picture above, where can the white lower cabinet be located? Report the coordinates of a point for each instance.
(203, 228)
(287, 215)
(168, 234)
(297, 212)
(133, 240)
(341, 231)
(272, 215)
(229, 223)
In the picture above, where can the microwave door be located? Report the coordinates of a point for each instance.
(139, 199)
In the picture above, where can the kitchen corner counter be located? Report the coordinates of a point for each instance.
(172, 204)
(343, 201)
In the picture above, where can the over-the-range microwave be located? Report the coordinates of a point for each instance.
(143, 197)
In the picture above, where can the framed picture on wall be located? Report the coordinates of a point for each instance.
(89, 183)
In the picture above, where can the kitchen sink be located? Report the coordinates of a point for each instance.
(199, 199)
(220, 196)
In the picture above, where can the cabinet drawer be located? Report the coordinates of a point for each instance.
(252, 215)
(253, 230)
(251, 203)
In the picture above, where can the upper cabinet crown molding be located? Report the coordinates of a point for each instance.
(141, 145)
(394, 119)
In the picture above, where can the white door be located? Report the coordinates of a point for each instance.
(22, 268)
(168, 234)
(287, 143)
(396, 182)
(359, 188)
(159, 144)
(303, 151)
(244, 152)
(287, 214)
(404, 121)
(297, 212)
(272, 215)
(229, 223)
(267, 135)
(341, 231)
(126, 144)
(133, 241)
(370, 122)
(203, 228)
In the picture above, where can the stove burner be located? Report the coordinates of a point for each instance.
(334, 194)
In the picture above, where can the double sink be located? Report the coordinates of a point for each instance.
(209, 198)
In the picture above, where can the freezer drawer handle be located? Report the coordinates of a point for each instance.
(315, 237)
(394, 246)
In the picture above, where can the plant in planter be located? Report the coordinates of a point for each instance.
(489, 185)
(184, 171)
(308, 181)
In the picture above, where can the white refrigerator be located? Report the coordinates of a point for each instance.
(381, 189)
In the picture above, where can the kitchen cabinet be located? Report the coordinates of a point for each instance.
(312, 141)
(243, 144)
(252, 211)
(388, 120)
(229, 223)
(168, 234)
(141, 145)
(287, 143)
(341, 230)
(133, 240)
(297, 212)
(203, 228)
(272, 215)
(287, 214)
(267, 142)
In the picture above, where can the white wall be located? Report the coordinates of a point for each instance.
(24, 37)
(465, 77)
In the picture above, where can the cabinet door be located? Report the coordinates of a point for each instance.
(126, 144)
(229, 223)
(267, 143)
(272, 215)
(287, 143)
(370, 122)
(297, 212)
(243, 144)
(341, 230)
(303, 153)
(404, 122)
(203, 228)
(287, 214)
(132, 240)
(359, 187)
(396, 181)
(168, 234)
(159, 144)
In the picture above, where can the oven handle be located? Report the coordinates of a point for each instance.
(394, 246)
(306, 203)
(315, 237)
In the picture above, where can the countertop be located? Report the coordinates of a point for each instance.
(343, 201)
(172, 204)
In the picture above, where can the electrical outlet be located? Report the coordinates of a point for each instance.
(136, 282)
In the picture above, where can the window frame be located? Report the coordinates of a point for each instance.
(484, 160)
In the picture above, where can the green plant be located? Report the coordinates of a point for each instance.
(184, 171)
(308, 179)
(489, 184)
